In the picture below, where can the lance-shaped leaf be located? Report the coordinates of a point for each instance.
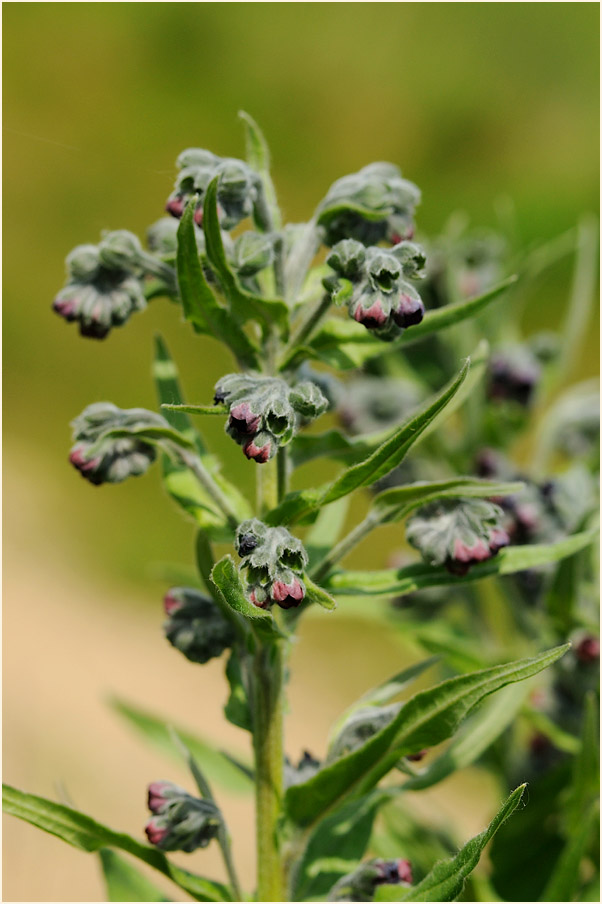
(315, 594)
(198, 301)
(565, 882)
(334, 444)
(445, 882)
(156, 730)
(427, 719)
(85, 833)
(398, 502)
(198, 409)
(391, 453)
(124, 882)
(395, 582)
(258, 158)
(226, 578)
(243, 304)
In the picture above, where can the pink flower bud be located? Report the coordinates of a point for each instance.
(288, 595)
(65, 307)
(154, 833)
(588, 650)
(373, 317)
(260, 454)
(404, 871)
(156, 799)
(243, 419)
(171, 604)
(175, 206)
(198, 216)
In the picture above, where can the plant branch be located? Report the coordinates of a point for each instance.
(203, 476)
(345, 545)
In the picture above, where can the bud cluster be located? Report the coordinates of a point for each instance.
(458, 533)
(102, 457)
(103, 288)
(195, 625)
(372, 205)
(373, 282)
(274, 561)
(239, 190)
(265, 412)
(180, 822)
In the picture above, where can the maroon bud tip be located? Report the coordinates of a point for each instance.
(409, 311)
(243, 419)
(171, 604)
(416, 757)
(260, 454)
(198, 216)
(404, 871)
(588, 650)
(156, 799)
(65, 308)
(373, 317)
(287, 595)
(175, 207)
(154, 833)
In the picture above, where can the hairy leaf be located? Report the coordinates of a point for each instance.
(226, 578)
(315, 594)
(258, 158)
(124, 882)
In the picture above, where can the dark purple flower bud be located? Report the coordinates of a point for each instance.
(394, 872)
(246, 544)
(588, 650)
(261, 448)
(243, 419)
(409, 311)
(175, 206)
(288, 595)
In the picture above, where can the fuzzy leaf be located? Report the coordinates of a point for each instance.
(237, 710)
(394, 582)
(445, 882)
(124, 882)
(197, 409)
(243, 304)
(85, 833)
(427, 719)
(156, 730)
(198, 301)
(315, 594)
(258, 158)
(226, 578)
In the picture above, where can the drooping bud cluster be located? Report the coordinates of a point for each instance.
(195, 625)
(180, 822)
(373, 282)
(274, 561)
(513, 375)
(103, 288)
(265, 412)
(305, 769)
(458, 533)
(371, 205)
(239, 191)
(361, 884)
(102, 457)
(360, 727)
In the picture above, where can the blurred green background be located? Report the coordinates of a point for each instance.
(476, 101)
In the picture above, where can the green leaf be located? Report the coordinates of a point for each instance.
(315, 594)
(198, 301)
(237, 709)
(295, 507)
(445, 882)
(258, 158)
(335, 847)
(197, 409)
(427, 719)
(169, 393)
(390, 454)
(226, 578)
(243, 304)
(397, 503)
(396, 582)
(333, 444)
(565, 882)
(585, 785)
(156, 730)
(86, 834)
(124, 882)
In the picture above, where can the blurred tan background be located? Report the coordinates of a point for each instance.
(476, 102)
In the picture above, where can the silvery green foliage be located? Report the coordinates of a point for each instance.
(360, 726)
(265, 412)
(239, 193)
(104, 284)
(273, 560)
(361, 884)
(370, 205)
(101, 457)
(458, 534)
(180, 822)
(373, 282)
(195, 625)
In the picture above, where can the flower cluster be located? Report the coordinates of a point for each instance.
(239, 191)
(361, 884)
(372, 205)
(458, 533)
(103, 450)
(265, 412)
(180, 822)
(103, 288)
(195, 625)
(373, 282)
(274, 561)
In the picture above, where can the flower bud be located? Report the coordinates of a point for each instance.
(288, 593)
(103, 458)
(120, 250)
(261, 448)
(180, 822)
(394, 872)
(588, 650)
(347, 258)
(361, 884)
(370, 310)
(513, 374)
(83, 263)
(195, 625)
(308, 400)
(409, 309)
(458, 533)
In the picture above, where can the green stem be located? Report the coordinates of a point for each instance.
(306, 327)
(268, 688)
(267, 486)
(207, 482)
(282, 466)
(344, 546)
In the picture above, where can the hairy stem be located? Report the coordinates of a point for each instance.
(268, 689)
(305, 328)
(267, 486)
(207, 482)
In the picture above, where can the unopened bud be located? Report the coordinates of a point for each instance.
(180, 822)
(195, 625)
(120, 250)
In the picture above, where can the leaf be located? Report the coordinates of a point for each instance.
(227, 580)
(295, 507)
(397, 503)
(315, 594)
(156, 730)
(585, 784)
(396, 582)
(152, 434)
(197, 409)
(258, 158)
(198, 301)
(445, 881)
(333, 444)
(124, 882)
(336, 846)
(85, 833)
(243, 304)
(169, 393)
(237, 709)
(565, 882)
(427, 719)
(484, 728)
